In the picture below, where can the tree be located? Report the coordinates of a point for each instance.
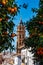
(35, 29)
(8, 9)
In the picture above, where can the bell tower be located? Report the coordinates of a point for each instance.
(20, 36)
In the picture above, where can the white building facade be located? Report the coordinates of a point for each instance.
(27, 56)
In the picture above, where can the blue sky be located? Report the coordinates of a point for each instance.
(25, 14)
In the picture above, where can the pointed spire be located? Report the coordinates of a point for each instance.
(21, 23)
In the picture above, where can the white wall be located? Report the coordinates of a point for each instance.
(17, 60)
(28, 56)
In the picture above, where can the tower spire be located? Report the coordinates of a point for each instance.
(20, 36)
(21, 22)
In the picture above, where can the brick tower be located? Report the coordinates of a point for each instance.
(20, 36)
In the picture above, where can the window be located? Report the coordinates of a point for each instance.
(19, 44)
(20, 36)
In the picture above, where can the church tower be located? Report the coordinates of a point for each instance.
(20, 36)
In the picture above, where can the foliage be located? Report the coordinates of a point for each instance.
(8, 9)
(35, 29)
